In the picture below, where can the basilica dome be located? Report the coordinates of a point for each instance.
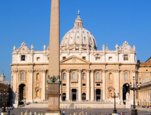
(78, 38)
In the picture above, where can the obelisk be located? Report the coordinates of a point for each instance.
(54, 60)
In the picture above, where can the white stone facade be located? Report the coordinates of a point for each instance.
(86, 74)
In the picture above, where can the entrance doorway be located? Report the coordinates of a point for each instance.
(21, 94)
(74, 94)
(98, 94)
(126, 91)
(64, 97)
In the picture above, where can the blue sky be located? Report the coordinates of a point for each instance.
(111, 22)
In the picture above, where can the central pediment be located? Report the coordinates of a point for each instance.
(74, 60)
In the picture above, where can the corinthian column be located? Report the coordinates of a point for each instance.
(92, 85)
(79, 89)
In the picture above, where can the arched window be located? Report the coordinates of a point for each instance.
(126, 76)
(22, 76)
(74, 76)
(83, 76)
(97, 76)
(83, 96)
(64, 97)
(63, 76)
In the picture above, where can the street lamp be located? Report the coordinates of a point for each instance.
(114, 96)
(134, 87)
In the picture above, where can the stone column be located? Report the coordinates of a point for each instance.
(30, 86)
(92, 85)
(68, 86)
(88, 85)
(117, 84)
(43, 84)
(104, 84)
(79, 88)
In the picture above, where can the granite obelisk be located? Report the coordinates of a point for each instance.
(54, 59)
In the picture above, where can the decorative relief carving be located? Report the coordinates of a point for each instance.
(23, 49)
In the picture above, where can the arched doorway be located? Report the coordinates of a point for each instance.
(21, 94)
(126, 91)
(98, 94)
(83, 96)
(64, 97)
(74, 94)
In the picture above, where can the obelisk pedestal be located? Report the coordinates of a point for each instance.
(54, 61)
(54, 96)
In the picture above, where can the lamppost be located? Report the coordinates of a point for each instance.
(134, 87)
(114, 110)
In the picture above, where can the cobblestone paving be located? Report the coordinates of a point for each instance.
(22, 111)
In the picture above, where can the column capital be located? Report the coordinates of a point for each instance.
(80, 70)
(105, 70)
(14, 70)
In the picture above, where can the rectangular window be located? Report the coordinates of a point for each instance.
(64, 84)
(125, 57)
(83, 84)
(22, 57)
(38, 58)
(84, 57)
(64, 58)
(98, 84)
(97, 58)
(110, 58)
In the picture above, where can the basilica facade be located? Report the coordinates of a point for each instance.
(86, 73)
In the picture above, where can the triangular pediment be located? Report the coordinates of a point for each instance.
(23, 49)
(148, 61)
(74, 60)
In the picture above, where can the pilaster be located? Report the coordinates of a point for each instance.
(104, 84)
(79, 88)
(68, 86)
(92, 85)
(30, 87)
(43, 85)
(88, 86)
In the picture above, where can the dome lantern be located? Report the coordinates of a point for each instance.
(78, 22)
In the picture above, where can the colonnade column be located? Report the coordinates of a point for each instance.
(88, 86)
(30, 87)
(43, 84)
(68, 86)
(104, 84)
(79, 88)
(92, 85)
